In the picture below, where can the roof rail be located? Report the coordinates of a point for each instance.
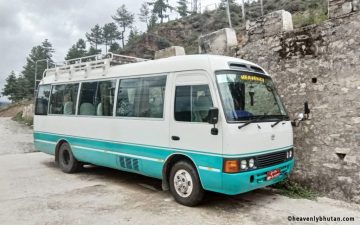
(85, 65)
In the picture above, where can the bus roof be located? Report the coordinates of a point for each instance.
(101, 69)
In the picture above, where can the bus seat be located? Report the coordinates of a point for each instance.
(87, 109)
(68, 108)
(99, 110)
(201, 108)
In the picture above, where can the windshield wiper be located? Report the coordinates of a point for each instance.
(280, 120)
(256, 119)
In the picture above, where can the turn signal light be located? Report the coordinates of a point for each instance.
(232, 166)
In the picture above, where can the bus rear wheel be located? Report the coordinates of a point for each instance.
(185, 184)
(67, 161)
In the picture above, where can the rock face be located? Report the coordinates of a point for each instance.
(342, 7)
(28, 112)
(218, 42)
(319, 64)
(270, 24)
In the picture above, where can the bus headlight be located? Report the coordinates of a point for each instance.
(289, 154)
(251, 163)
(243, 164)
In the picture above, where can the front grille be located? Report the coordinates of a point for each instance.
(270, 159)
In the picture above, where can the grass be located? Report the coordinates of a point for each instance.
(309, 17)
(294, 190)
(18, 118)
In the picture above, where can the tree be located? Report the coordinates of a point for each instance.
(10, 87)
(41, 52)
(152, 22)
(93, 51)
(95, 37)
(182, 8)
(114, 47)
(110, 33)
(125, 19)
(160, 8)
(134, 35)
(77, 50)
(144, 14)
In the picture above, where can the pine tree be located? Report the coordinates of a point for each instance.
(114, 47)
(182, 8)
(152, 22)
(134, 35)
(111, 34)
(144, 15)
(10, 87)
(77, 50)
(125, 19)
(93, 51)
(160, 8)
(95, 37)
(41, 52)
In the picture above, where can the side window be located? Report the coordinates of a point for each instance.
(42, 100)
(97, 98)
(192, 103)
(141, 97)
(63, 99)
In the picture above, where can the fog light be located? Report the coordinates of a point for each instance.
(243, 164)
(251, 163)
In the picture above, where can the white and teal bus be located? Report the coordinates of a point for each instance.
(197, 122)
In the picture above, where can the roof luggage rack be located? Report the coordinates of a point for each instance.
(88, 65)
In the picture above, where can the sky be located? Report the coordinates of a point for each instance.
(26, 23)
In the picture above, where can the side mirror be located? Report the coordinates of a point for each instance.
(213, 115)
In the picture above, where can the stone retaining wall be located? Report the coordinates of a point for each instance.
(319, 64)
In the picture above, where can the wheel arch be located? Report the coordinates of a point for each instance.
(57, 147)
(170, 162)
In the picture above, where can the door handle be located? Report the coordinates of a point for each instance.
(175, 138)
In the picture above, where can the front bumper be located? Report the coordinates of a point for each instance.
(237, 183)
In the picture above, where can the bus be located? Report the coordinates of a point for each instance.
(197, 122)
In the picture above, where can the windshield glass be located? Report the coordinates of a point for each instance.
(247, 95)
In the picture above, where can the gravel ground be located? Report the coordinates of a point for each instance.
(15, 137)
(34, 191)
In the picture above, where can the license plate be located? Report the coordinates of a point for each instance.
(272, 174)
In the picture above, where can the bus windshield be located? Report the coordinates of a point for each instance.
(247, 96)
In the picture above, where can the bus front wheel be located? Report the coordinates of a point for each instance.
(185, 184)
(67, 161)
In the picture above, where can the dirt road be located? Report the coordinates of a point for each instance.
(34, 191)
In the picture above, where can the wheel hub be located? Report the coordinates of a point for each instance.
(183, 183)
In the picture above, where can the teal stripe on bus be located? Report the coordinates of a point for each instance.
(151, 158)
(57, 137)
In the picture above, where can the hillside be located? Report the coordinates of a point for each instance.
(186, 31)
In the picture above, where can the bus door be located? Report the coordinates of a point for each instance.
(193, 95)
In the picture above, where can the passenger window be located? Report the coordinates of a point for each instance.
(192, 103)
(97, 98)
(63, 99)
(141, 97)
(42, 100)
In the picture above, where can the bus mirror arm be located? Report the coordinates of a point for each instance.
(302, 116)
(213, 117)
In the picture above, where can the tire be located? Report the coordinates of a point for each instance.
(185, 184)
(67, 161)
